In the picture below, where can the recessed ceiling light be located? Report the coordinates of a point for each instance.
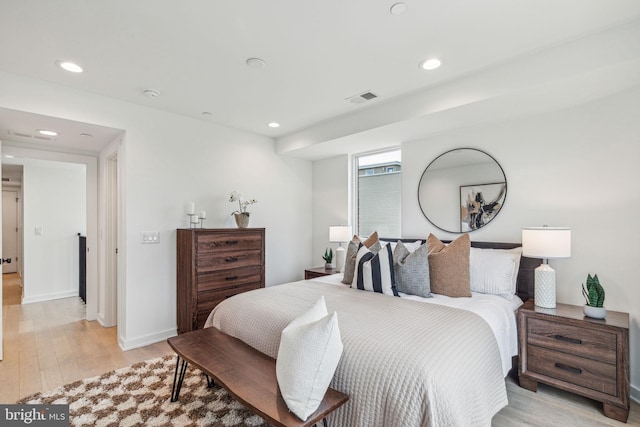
(47, 132)
(398, 9)
(274, 125)
(69, 66)
(207, 113)
(430, 64)
(8, 156)
(255, 63)
(86, 135)
(151, 93)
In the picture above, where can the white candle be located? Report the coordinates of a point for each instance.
(194, 219)
(191, 208)
(203, 214)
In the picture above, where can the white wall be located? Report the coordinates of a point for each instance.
(330, 202)
(577, 168)
(54, 201)
(168, 160)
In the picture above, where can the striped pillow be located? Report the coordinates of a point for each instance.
(374, 271)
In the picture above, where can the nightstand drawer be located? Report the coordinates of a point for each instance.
(589, 373)
(584, 342)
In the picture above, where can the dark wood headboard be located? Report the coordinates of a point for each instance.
(526, 274)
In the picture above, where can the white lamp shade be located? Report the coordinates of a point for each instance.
(546, 242)
(340, 233)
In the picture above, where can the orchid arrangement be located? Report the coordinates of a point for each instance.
(235, 196)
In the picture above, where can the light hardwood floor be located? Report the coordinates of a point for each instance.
(49, 344)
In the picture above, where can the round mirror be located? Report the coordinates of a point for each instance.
(462, 190)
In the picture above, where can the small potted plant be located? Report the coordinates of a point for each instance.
(328, 259)
(594, 296)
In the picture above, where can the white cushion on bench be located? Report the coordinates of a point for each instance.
(309, 352)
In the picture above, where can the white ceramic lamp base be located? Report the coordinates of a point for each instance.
(341, 256)
(545, 288)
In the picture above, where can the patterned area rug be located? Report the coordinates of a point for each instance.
(141, 395)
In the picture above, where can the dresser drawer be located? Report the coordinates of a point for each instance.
(208, 300)
(588, 373)
(231, 241)
(222, 279)
(584, 342)
(228, 260)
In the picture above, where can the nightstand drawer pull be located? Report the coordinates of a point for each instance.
(231, 259)
(569, 368)
(567, 339)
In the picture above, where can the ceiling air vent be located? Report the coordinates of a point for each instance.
(363, 97)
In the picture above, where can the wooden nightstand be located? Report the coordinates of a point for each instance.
(563, 348)
(310, 273)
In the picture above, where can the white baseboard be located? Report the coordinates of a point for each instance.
(146, 339)
(635, 394)
(49, 297)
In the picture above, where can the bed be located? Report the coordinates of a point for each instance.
(407, 361)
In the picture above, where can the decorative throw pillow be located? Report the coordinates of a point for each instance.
(309, 352)
(449, 266)
(412, 270)
(374, 271)
(373, 243)
(494, 271)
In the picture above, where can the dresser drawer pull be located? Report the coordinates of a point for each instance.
(567, 339)
(231, 278)
(213, 245)
(231, 259)
(569, 368)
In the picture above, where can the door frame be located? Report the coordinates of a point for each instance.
(91, 163)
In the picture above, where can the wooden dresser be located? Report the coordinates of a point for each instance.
(215, 264)
(563, 348)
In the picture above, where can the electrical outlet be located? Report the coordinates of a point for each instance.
(150, 237)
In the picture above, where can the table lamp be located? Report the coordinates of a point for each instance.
(546, 243)
(339, 234)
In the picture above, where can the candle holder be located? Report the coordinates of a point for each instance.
(195, 219)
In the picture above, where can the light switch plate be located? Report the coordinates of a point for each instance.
(150, 237)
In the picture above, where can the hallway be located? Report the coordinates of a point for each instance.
(48, 344)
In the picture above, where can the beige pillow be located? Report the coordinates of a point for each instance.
(352, 251)
(449, 266)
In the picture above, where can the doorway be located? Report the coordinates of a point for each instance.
(10, 227)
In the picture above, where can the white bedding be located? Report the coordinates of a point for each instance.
(402, 364)
(497, 311)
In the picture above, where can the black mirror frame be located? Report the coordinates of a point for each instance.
(447, 152)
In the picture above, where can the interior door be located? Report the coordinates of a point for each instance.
(10, 230)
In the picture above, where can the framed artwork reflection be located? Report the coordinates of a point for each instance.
(480, 203)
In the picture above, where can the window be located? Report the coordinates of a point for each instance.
(378, 188)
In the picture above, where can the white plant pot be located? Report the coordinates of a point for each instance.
(595, 312)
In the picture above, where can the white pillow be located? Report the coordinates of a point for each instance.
(494, 271)
(374, 271)
(310, 349)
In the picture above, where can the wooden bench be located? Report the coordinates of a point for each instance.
(248, 375)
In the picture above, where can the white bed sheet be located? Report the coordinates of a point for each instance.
(498, 312)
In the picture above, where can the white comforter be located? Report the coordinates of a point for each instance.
(498, 312)
(404, 363)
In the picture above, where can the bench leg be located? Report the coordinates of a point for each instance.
(177, 379)
(210, 382)
(324, 422)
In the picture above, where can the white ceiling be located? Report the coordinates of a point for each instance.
(317, 53)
